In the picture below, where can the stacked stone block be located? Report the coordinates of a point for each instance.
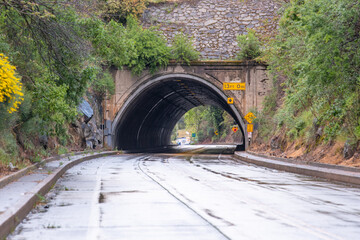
(213, 24)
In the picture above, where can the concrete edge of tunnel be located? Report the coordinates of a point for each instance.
(162, 149)
(16, 175)
(324, 171)
(13, 216)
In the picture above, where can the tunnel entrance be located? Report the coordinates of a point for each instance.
(149, 115)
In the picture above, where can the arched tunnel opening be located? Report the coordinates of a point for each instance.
(149, 115)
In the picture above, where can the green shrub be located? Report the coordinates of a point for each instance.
(151, 50)
(8, 148)
(62, 150)
(249, 46)
(270, 102)
(119, 10)
(317, 50)
(4, 158)
(7, 120)
(357, 130)
(130, 46)
(292, 134)
(30, 128)
(331, 131)
(102, 85)
(300, 125)
(182, 50)
(36, 158)
(51, 107)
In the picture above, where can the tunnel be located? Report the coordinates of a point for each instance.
(150, 113)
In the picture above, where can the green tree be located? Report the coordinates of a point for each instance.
(205, 120)
(43, 39)
(151, 50)
(130, 46)
(51, 107)
(102, 86)
(194, 118)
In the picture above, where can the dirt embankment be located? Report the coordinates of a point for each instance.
(330, 153)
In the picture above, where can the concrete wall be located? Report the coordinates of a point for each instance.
(213, 24)
(258, 85)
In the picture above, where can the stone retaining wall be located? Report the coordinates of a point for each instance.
(213, 24)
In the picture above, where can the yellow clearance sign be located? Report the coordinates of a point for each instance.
(250, 128)
(234, 86)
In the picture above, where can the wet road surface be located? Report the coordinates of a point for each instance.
(190, 196)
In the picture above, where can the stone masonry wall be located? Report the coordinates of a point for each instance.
(213, 24)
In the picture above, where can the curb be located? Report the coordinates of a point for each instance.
(13, 216)
(316, 164)
(330, 172)
(16, 175)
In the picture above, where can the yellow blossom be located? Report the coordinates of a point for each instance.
(10, 85)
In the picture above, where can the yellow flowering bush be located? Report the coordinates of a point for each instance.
(10, 85)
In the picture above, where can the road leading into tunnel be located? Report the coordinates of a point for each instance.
(191, 196)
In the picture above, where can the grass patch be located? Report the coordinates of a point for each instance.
(41, 198)
(62, 150)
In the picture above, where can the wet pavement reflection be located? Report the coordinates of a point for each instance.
(191, 194)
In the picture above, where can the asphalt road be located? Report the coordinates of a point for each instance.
(191, 196)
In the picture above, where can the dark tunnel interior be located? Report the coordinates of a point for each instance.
(147, 122)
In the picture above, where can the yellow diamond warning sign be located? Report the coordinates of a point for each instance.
(230, 101)
(250, 117)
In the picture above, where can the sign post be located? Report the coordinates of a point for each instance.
(250, 127)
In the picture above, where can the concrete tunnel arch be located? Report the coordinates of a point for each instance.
(148, 116)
